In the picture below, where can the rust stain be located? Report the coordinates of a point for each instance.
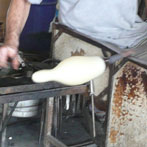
(78, 53)
(144, 80)
(121, 134)
(113, 136)
(128, 88)
(117, 96)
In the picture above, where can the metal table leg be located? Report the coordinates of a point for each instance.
(93, 109)
(42, 122)
(51, 139)
(48, 120)
(3, 134)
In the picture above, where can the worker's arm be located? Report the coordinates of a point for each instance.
(17, 15)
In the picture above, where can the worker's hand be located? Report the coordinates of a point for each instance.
(8, 53)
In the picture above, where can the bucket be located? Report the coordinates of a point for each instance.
(25, 109)
(35, 36)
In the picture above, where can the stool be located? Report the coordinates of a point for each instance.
(49, 139)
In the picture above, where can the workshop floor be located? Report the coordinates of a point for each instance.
(25, 133)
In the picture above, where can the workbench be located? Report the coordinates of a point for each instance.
(15, 90)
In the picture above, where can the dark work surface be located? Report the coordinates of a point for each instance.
(24, 84)
(11, 86)
(6, 82)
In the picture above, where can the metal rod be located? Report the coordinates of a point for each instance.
(86, 143)
(42, 122)
(3, 131)
(56, 117)
(73, 104)
(78, 109)
(52, 140)
(93, 109)
(48, 120)
(8, 118)
(60, 115)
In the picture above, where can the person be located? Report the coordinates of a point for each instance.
(17, 15)
(112, 21)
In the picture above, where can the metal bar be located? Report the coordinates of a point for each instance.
(93, 107)
(42, 94)
(60, 115)
(104, 53)
(29, 87)
(108, 46)
(55, 117)
(54, 141)
(5, 122)
(119, 66)
(85, 143)
(73, 102)
(110, 85)
(42, 122)
(137, 60)
(80, 36)
(129, 53)
(78, 108)
(3, 134)
(52, 41)
(57, 35)
(48, 120)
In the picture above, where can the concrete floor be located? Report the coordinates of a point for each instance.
(25, 133)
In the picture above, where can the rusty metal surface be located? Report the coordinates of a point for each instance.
(41, 94)
(13, 88)
(127, 118)
(48, 120)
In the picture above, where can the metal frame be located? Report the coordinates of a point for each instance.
(52, 91)
(42, 91)
(34, 91)
(105, 47)
(139, 51)
(41, 94)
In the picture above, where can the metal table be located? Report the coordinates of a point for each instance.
(12, 90)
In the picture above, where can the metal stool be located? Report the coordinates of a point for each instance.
(49, 139)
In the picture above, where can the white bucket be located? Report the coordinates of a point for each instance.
(27, 108)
